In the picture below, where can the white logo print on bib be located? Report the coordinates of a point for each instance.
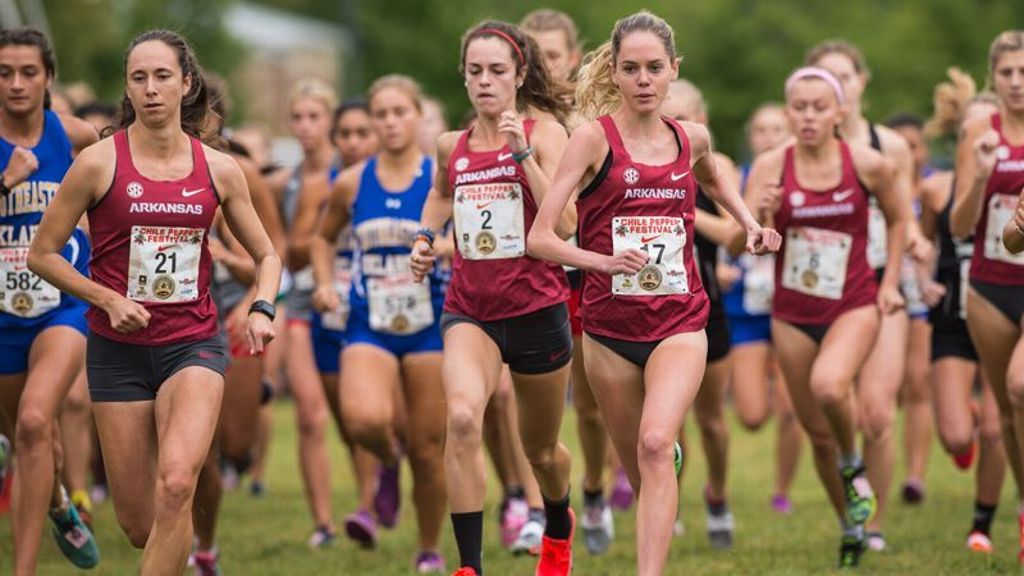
(338, 319)
(1000, 210)
(399, 304)
(163, 265)
(815, 261)
(663, 239)
(877, 253)
(23, 293)
(490, 222)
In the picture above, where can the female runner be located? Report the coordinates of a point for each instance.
(644, 308)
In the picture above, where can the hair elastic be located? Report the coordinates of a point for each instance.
(819, 73)
(506, 37)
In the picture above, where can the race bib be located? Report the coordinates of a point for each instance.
(663, 239)
(24, 294)
(1000, 210)
(490, 222)
(758, 283)
(815, 261)
(965, 284)
(399, 305)
(163, 264)
(911, 287)
(338, 319)
(877, 254)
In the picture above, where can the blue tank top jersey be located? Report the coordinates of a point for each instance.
(384, 224)
(25, 299)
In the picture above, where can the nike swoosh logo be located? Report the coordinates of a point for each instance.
(484, 205)
(645, 239)
(503, 157)
(188, 193)
(554, 356)
(677, 177)
(840, 196)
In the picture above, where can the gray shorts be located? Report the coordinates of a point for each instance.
(121, 372)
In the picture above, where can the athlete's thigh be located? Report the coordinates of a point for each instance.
(952, 382)
(749, 371)
(795, 353)
(424, 395)
(186, 411)
(618, 387)
(885, 366)
(582, 395)
(369, 376)
(711, 396)
(243, 391)
(847, 345)
(55, 359)
(540, 399)
(300, 366)
(11, 386)
(994, 337)
(672, 379)
(128, 442)
(470, 368)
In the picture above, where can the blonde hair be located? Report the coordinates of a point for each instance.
(314, 89)
(546, 20)
(683, 87)
(1008, 41)
(596, 92)
(400, 82)
(842, 47)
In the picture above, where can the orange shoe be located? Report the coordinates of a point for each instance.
(556, 555)
(465, 571)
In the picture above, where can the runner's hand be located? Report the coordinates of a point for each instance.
(920, 248)
(325, 298)
(218, 251)
(932, 293)
(258, 333)
(890, 300)
(769, 200)
(421, 260)
(763, 240)
(512, 127)
(1018, 215)
(126, 316)
(985, 153)
(627, 262)
(23, 163)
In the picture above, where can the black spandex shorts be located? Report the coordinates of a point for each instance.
(951, 339)
(121, 372)
(1008, 299)
(719, 340)
(535, 343)
(815, 332)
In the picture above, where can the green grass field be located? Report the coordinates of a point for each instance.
(268, 536)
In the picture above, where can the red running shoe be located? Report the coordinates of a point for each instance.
(465, 571)
(556, 555)
(965, 460)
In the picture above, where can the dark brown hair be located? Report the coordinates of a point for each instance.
(195, 104)
(28, 36)
(538, 90)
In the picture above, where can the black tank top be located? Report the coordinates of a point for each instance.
(954, 256)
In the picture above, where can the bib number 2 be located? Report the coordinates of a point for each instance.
(489, 221)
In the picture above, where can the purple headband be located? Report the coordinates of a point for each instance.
(819, 73)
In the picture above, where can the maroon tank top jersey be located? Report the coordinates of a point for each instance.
(648, 208)
(150, 244)
(992, 263)
(823, 270)
(492, 276)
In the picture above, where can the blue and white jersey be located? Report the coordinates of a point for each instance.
(25, 299)
(751, 295)
(384, 224)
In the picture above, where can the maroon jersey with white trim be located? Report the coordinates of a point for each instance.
(822, 268)
(992, 262)
(492, 276)
(150, 244)
(649, 208)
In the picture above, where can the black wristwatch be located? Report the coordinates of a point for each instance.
(263, 307)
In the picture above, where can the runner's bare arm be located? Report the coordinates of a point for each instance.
(80, 133)
(549, 141)
(321, 247)
(314, 191)
(879, 174)
(587, 147)
(437, 210)
(975, 160)
(244, 223)
(715, 183)
(264, 203)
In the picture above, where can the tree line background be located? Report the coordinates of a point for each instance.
(737, 51)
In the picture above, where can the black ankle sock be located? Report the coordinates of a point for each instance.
(716, 507)
(559, 524)
(593, 497)
(469, 529)
(515, 492)
(983, 515)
